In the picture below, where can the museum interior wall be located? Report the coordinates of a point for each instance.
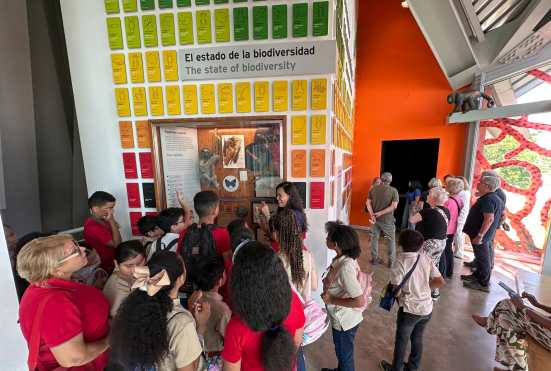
(158, 113)
(400, 94)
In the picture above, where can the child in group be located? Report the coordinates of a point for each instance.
(414, 299)
(240, 233)
(210, 278)
(149, 229)
(342, 292)
(207, 207)
(151, 232)
(101, 230)
(152, 331)
(205, 239)
(128, 256)
(172, 223)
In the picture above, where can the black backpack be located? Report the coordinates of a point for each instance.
(198, 244)
(157, 246)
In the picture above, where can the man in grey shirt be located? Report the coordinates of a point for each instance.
(380, 204)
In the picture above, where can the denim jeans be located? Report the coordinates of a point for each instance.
(389, 233)
(301, 363)
(409, 327)
(483, 254)
(344, 348)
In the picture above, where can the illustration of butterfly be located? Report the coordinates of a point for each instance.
(231, 183)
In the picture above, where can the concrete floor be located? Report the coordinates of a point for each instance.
(452, 341)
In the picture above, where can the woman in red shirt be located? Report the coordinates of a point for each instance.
(65, 323)
(268, 321)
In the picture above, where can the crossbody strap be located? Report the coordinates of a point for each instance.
(457, 203)
(406, 277)
(34, 341)
(441, 212)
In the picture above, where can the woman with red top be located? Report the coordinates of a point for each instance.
(65, 323)
(267, 326)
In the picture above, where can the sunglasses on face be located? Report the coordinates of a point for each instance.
(75, 251)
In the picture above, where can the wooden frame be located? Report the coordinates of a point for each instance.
(205, 122)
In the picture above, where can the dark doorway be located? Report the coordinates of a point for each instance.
(409, 160)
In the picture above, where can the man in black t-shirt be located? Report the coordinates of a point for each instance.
(503, 197)
(482, 222)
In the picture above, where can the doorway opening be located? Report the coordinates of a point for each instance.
(409, 160)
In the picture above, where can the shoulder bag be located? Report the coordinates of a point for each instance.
(388, 295)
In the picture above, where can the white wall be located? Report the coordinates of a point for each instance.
(89, 62)
(13, 348)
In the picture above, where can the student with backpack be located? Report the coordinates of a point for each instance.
(205, 239)
(414, 274)
(343, 293)
(172, 222)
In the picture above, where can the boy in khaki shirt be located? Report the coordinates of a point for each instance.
(210, 277)
(414, 299)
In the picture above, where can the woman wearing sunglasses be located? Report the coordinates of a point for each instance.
(65, 323)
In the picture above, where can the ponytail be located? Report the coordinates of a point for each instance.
(278, 350)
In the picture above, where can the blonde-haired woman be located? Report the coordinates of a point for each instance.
(432, 223)
(65, 323)
(465, 196)
(454, 204)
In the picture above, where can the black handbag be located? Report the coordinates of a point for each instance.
(388, 295)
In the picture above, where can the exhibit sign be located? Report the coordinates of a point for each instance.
(258, 60)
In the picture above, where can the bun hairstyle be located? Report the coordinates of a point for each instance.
(139, 334)
(262, 296)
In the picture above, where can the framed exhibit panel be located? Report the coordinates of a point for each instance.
(241, 158)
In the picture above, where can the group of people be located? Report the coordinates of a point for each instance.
(192, 295)
(442, 216)
(188, 295)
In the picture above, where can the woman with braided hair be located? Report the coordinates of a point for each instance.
(297, 260)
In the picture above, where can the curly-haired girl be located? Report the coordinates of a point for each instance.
(268, 323)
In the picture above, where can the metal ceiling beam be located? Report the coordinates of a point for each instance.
(524, 25)
(472, 19)
(498, 72)
(501, 112)
(446, 37)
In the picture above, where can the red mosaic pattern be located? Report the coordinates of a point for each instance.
(509, 126)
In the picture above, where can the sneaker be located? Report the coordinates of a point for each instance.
(377, 260)
(468, 277)
(475, 285)
(470, 264)
(384, 366)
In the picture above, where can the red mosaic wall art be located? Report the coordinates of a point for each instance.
(521, 240)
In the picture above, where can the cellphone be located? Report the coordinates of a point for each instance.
(509, 290)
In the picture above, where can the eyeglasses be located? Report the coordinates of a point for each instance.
(76, 251)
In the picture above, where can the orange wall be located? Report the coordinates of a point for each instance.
(400, 94)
